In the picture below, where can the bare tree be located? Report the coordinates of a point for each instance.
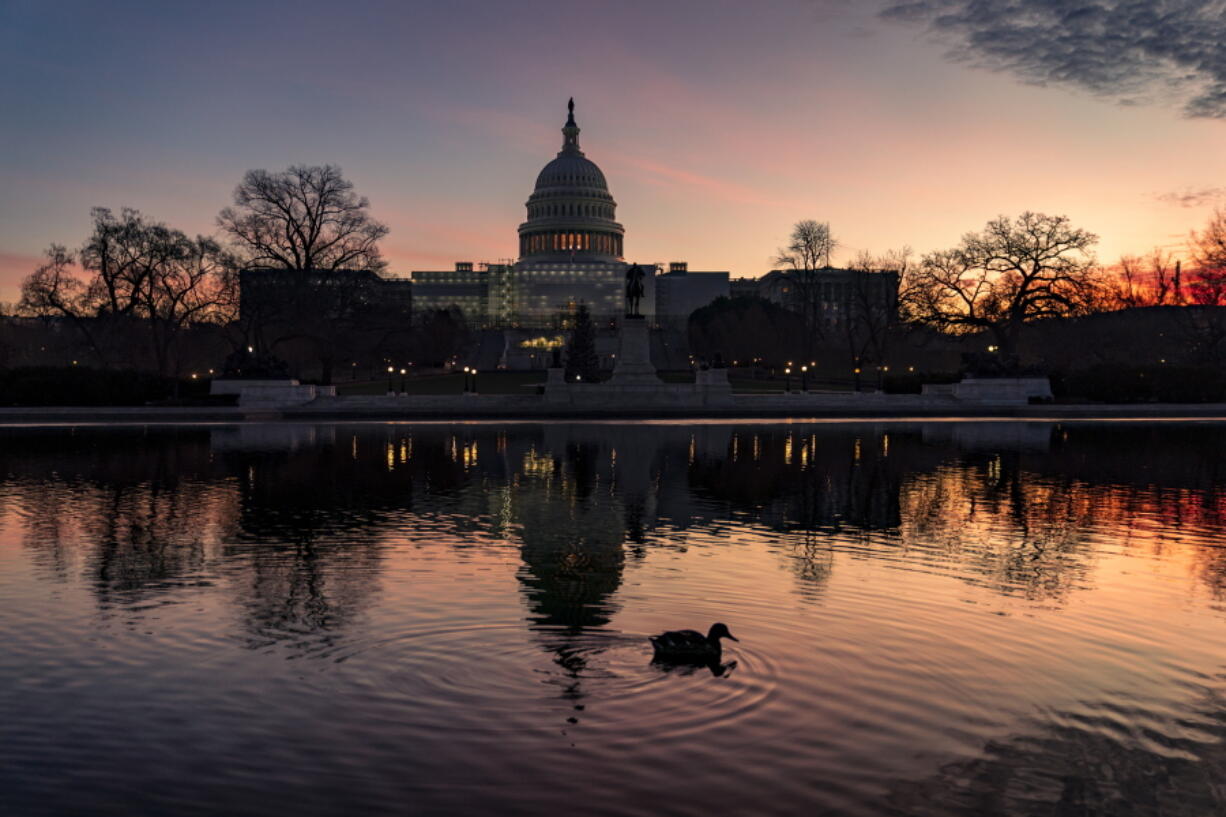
(117, 260)
(1207, 286)
(304, 218)
(804, 258)
(997, 280)
(122, 252)
(1154, 280)
(135, 278)
(190, 288)
(872, 307)
(308, 224)
(54, 290)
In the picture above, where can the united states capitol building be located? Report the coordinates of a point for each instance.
(571, 252)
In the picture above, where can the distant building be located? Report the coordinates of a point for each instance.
(743, 288)
(480, 291)
(571, 252)
(270, 291)
(836, 292)
(680, 291)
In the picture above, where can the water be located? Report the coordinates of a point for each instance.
(942, 618)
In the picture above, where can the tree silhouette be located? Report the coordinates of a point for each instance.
(303, 218)
(582, 362)
(134, 279)
(805, 257)
(316, 247)
(1208, 285)
(1011, 273)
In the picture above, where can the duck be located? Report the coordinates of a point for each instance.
(691, 645)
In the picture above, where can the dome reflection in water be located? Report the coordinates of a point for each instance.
(942, 618)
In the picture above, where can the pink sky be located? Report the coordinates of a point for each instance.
(718, 126)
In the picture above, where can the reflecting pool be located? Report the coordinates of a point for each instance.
(979, 618)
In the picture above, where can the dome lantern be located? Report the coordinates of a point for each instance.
(570, 131)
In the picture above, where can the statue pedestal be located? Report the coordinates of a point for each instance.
(713, 385)
(556, 390)
(271, 393)
(634, 367)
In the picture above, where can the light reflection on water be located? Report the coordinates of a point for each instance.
(941, 618)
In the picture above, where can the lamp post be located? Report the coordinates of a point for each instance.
(403, 372)
(804, 378)
(787, 380)
(390, 369)
(856, 371)
(466, 380)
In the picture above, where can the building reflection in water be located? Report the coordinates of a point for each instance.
(315, 541)
(297, 519)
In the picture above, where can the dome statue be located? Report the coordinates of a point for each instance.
(571, 214)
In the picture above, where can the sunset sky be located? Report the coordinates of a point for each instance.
(717, 123)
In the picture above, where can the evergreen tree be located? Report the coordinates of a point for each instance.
(582, 362)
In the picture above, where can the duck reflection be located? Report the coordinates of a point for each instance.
(715, 666)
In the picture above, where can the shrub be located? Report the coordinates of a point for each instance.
(913, 382)
(1114, 383)
(82, 386)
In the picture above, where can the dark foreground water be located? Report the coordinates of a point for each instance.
(945, 618)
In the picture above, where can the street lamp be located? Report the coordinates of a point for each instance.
(804, 378)
(390, 369)
(856, 371)
(466, 380)
(787, 380)
(403, 372)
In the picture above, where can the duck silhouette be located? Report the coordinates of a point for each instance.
(690, 646)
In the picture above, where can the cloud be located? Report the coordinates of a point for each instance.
(663, 175)
(1129, 50)
(1193, 198)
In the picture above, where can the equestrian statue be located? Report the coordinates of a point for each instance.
(634, 290)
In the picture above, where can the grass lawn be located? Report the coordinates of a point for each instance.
(522, 383)
(487, 383)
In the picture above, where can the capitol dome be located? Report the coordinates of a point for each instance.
(571, 215)
(571, 170)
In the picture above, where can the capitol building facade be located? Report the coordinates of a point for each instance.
(571, 252)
